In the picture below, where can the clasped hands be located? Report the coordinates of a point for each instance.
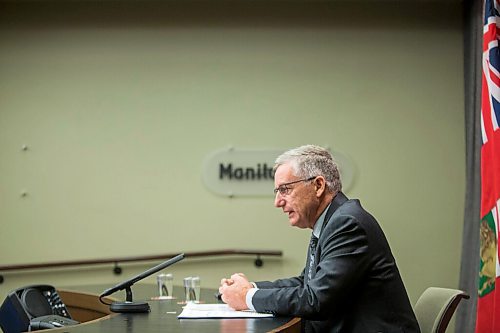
(234, 291)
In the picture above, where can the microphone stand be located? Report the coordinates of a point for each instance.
(129, 305)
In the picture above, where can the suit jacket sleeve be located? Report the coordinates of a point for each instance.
(343, 259)
(282, 283)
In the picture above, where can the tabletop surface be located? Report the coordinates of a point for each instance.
(163, 315)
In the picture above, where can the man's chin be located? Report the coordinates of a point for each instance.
(293, 222)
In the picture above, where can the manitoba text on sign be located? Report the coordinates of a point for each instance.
(249, 172)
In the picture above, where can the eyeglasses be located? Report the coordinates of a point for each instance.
(284, 189)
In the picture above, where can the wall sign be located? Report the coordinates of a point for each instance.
(246, 172)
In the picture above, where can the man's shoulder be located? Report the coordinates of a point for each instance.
(351, 214)
(350, 208)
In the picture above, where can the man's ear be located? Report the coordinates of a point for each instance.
(320, 185)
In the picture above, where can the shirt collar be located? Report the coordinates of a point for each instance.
(318, 226)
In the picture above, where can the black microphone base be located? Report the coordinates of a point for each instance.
(125, 307)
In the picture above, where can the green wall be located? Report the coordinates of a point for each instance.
(119, 103)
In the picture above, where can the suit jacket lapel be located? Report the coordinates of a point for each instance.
(337, 201)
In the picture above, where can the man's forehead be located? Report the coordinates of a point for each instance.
(283, 173)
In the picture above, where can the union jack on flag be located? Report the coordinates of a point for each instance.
(488, 306)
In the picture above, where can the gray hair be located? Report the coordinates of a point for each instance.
(310, 161)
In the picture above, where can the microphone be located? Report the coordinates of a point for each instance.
(130, 306)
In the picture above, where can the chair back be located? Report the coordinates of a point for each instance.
(435, 307)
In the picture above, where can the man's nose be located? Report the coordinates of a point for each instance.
(278, 200)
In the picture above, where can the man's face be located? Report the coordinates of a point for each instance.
(299, 202)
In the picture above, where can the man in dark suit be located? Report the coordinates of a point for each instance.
(350, 282)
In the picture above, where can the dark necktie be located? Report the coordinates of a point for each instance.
(312, 254)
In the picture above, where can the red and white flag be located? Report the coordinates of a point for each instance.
(488, 307)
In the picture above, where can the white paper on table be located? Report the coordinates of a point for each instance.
(193, 310)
